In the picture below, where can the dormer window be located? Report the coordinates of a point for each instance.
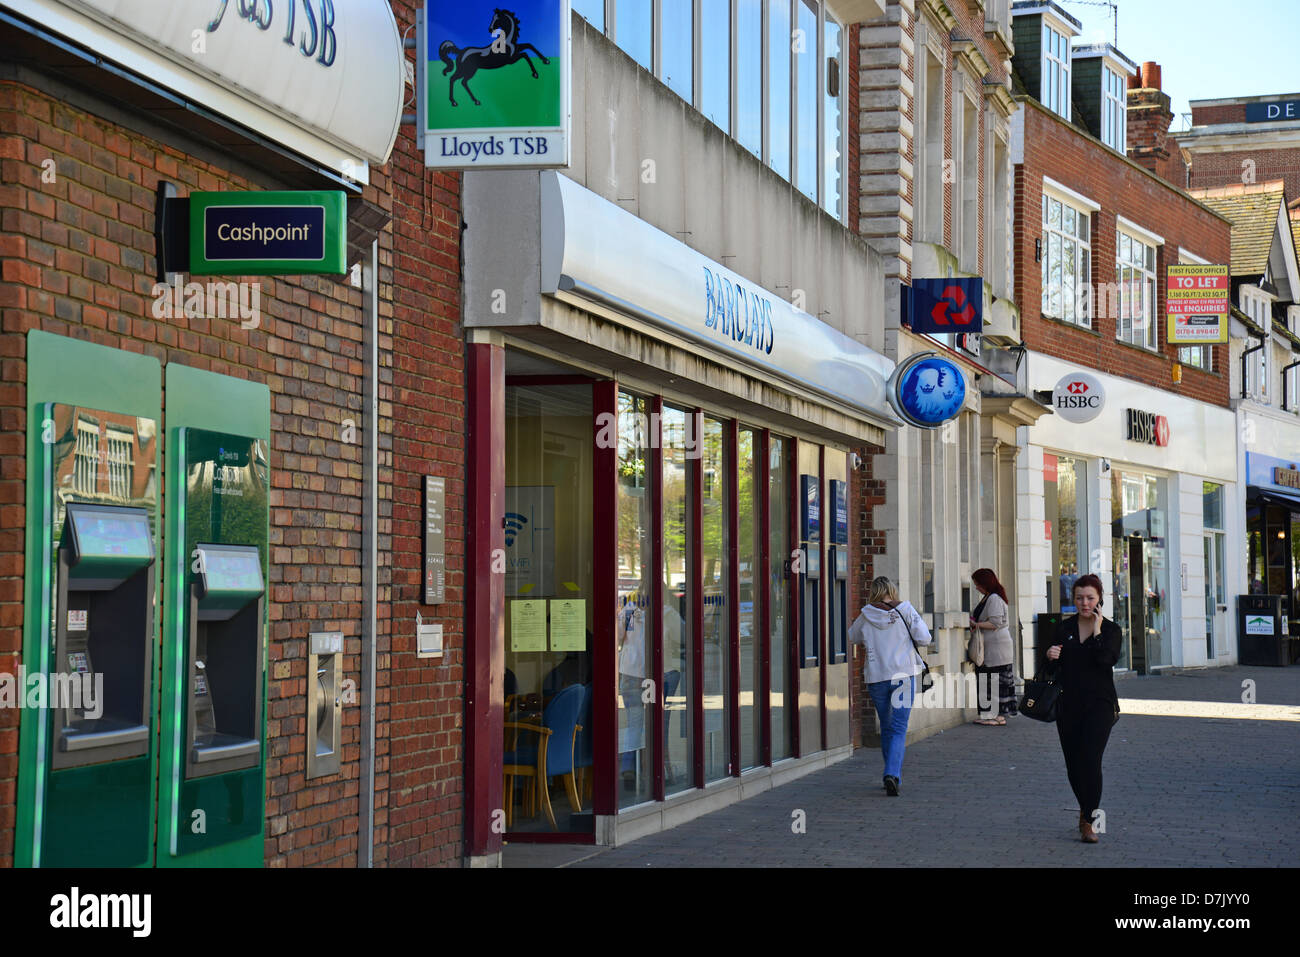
(1055, 93)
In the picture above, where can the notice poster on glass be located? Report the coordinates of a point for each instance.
(528, 625)
(568, 624)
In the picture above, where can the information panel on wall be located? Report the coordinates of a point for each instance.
(494, 84)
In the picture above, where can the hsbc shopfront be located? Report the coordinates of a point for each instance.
(1132, 483)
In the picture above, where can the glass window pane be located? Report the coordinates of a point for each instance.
(1125, 248)
(637, 626)
(593, 11)
(676, 35)
(778, 548)
(780, 44)
(806, 105)
(679, 576)
(1054, 214)
(750, 600)
(832, 191)
(633, 30)
(1068, 223)
(715, 70)
(749, 75)
(716, 636)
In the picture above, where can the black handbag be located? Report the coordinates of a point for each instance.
(1041, 699)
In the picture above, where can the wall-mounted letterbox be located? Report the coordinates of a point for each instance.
(324, 704)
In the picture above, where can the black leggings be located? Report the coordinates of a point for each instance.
(1084, 734)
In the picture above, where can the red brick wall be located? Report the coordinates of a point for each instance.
(76, 258)
(1213, 115)
(867, 492)
(1248, 166)
(1057, 150)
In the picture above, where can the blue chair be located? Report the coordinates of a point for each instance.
(583, 753)
(551, 757)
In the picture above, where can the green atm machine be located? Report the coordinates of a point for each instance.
(87, 758)
(212, 774)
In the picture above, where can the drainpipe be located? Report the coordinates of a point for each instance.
(1285, 370)
(369, 556)
(1263, 341)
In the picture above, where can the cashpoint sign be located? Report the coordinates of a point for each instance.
(274, 233)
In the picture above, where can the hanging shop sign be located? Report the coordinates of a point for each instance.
(942, 306)
(927, 390)
(1078, 397)
(1146, 427)
(1196, 299)
(268, 234)
(322, 77)
(494, 84)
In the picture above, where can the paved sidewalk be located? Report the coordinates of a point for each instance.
(1212, 789)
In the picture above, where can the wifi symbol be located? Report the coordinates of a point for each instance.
(513, 523)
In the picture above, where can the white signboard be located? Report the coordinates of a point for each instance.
(324, 77)
(1078, 397)
(1259, 624)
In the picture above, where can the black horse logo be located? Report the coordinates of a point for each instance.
(502, 51)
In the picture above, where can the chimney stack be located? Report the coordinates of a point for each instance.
(1148, 120)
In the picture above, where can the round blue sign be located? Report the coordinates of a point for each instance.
(929, 391)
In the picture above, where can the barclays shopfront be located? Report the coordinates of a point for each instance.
(668, 442)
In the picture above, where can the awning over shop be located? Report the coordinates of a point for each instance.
(601, 253)
(1267, 496)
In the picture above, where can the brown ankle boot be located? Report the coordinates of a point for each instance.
(1086, 833)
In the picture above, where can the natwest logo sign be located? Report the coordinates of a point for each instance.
(1146, 427)
(1078, 397)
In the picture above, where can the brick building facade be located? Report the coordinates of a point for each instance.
(83, 154)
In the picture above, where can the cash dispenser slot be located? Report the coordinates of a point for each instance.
(103, 635)
(225, 656)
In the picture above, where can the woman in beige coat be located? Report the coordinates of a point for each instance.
(992, 617)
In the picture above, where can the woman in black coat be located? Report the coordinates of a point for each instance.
(1088, 648)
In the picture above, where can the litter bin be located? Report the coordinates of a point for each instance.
(1045, 626)
(1260, 640)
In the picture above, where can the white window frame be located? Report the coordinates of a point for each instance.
(997, 206)
(1054, 192)
(119, 444)
(85, 469)
(1150, 339)
(1114, 98)
(1259, 364)
(928, 170)
(1054, 90)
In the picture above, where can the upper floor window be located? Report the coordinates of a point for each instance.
(1067, 261)
(1055, 94)
(1114, 100)
(783, 104)
(1135, 273)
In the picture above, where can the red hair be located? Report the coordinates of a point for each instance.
(1089, 581)
(988, 581)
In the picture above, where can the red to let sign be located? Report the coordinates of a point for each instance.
(1196, 300)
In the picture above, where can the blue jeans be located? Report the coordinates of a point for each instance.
(893, 719)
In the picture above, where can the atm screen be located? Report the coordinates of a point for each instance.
(232, 571)
(115, 534)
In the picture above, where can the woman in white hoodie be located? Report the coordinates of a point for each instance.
(887, 629)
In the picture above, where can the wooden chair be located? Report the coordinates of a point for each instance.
(552, 757)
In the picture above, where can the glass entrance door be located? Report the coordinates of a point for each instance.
(549, 535)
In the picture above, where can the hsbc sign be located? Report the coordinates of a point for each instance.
(1146, 427)
(1078, 398)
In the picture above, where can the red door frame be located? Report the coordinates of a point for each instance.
(763, 575)
(794, 583)
(695, 468)
(656, 479)
(484, 600)
(731, 466)
(823, 582)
